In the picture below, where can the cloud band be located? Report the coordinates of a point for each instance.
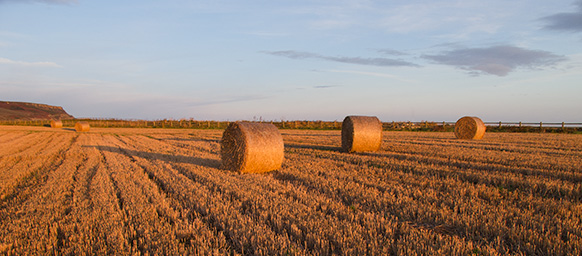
(382, 62)
(497, 60)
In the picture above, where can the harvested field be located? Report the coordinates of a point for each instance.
(125, 191)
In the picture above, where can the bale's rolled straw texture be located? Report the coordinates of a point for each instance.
(361, 133)
(56, 124)
(251, 147)
(82, 126)
(469, 128)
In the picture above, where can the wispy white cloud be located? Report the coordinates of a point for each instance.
(497, 60)
(337, 14)
(46, 64)
(451, 19)
(407, 18)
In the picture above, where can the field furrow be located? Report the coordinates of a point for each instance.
(163, 191)
(291, 205)
(31, 167)
(226, 205)
(32, 208)
(14, 151)
(553, 163)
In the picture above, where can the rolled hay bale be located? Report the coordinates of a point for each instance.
(361, 133)
(469, 128)
(251, 147)
(82, 126)
(56, 124)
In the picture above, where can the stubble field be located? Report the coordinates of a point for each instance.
(161, 191)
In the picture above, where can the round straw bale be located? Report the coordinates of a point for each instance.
(469, 128)
(251, 147)
(56, 124)
(361, 133)
(82, 126)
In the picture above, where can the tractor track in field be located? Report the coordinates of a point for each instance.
(162, 191)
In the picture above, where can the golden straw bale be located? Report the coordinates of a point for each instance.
(82, 126)
(251, 147)
(470, 128)
(56, 124)
(361, 133)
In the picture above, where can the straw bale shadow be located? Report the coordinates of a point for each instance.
(132, 154)
(317, 147)
(69, 129)
(310, 135)
(193, 139)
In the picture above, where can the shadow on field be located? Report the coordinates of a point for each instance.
(193, 139)
(318, 147)
(133, 154)
(310, 135)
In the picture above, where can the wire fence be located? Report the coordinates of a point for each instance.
(499, 126)
(540, 124)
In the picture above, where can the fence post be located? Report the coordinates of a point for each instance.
(563, 125)
(519, 124)
(499, 124)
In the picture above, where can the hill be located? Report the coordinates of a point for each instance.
(31, 111)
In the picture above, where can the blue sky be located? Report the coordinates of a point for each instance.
(296, 60)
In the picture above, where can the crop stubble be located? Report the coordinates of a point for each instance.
(161, 191)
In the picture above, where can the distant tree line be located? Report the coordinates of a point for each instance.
(308, 125)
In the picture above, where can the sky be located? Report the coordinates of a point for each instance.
(413, 60)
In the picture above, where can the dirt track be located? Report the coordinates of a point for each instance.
(161, 191)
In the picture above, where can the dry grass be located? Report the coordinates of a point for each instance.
(160, 191)
(361, 133)
(252, 147)
(469, 128)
